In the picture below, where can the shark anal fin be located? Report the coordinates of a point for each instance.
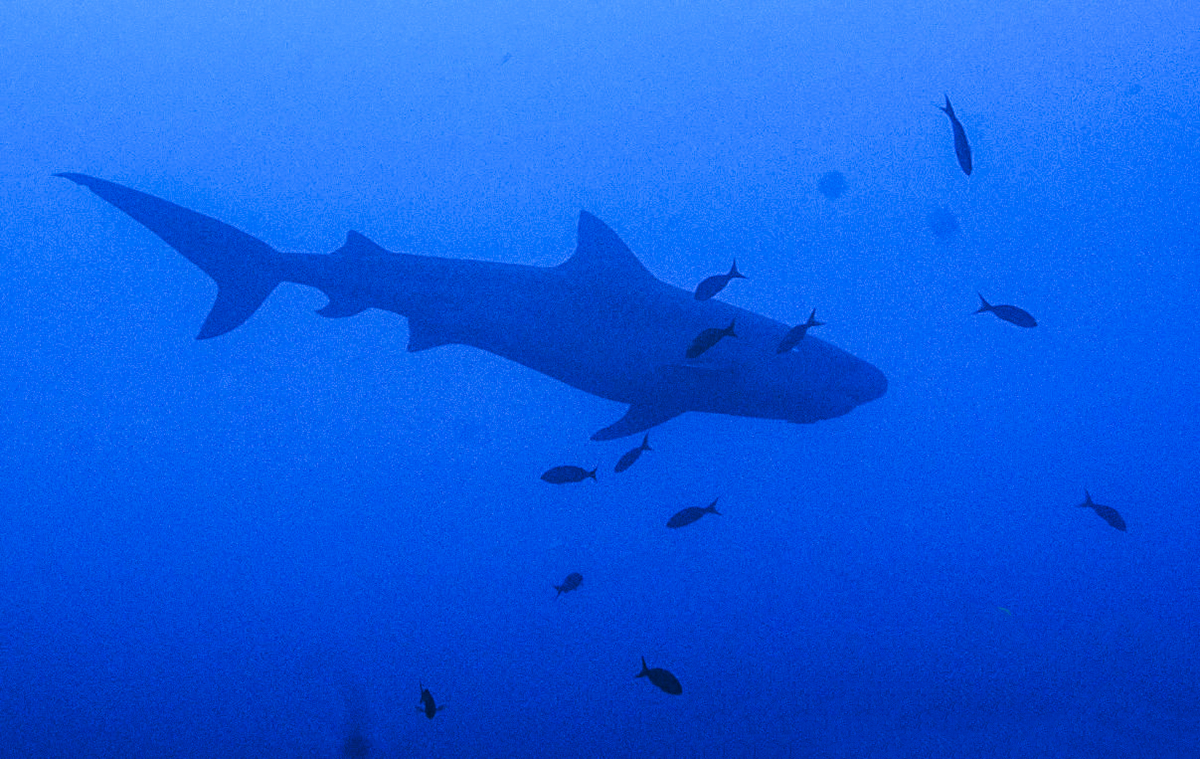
(424, 334)
(638, 418)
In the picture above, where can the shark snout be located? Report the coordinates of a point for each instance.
(863, 382)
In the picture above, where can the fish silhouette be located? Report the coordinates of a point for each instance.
(716, 283)
(662, 678)
(629, 457)
(707, 339)
(691, 514)
(961, 148)
(1011, 314)
(1107, 513)
(561, 475)
(427, 705)
(797, 333)
(569, 584)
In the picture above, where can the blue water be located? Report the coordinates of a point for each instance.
(255, 545)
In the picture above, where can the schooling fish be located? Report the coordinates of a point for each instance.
(631, 456)
(427, 704)
(569, 584)
(708, 338)
(961, 148)
(561, 475)
(797, 333)
(1107, 513)
(691, 514)
(716, 283)
(1011, 314)
(662, 678)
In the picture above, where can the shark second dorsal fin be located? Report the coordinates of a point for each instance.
(600, 251)
(358, 246)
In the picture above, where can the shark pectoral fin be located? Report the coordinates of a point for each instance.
(638, 418)
(340, 307)
(424, 334)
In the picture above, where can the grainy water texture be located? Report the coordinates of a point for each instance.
(269, 543)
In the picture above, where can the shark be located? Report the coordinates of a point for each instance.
(599, 321)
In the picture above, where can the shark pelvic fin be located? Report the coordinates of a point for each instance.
(637, 419)
(340, 307)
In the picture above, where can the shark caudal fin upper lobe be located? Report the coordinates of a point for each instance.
(244, 267)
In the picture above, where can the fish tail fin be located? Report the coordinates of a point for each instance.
(812, 320)
(729, 330)
(947, 108)
(734, 273)
(1087, 499)
(646, 442)
(983, 304)
(712, 507)
(592, 474)
(245, 268)
(559, 589)
(645, 670)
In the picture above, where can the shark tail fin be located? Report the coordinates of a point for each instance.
(244, 267)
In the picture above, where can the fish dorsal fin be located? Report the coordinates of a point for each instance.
(600, 252)
(358, 246)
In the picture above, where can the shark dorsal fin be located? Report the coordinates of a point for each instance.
(358, 246)
(600, 251)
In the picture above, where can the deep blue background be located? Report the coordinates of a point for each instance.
(238, 547)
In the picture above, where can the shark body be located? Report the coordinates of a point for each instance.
(599, 322)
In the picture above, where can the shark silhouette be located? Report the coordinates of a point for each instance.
(599, 322)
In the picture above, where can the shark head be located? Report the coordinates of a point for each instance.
(813, 382)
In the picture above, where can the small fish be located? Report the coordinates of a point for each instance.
(356, 746)
(961, 148)
(943, 223)
(832, 184)
(716, 283)
(662, 678)
(569, 584)
(1011, 314)
(427, 704)
(797, 333)
(691, 514)
(1107, 513)
(561, 475)
(708, 338)
(630, 457)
